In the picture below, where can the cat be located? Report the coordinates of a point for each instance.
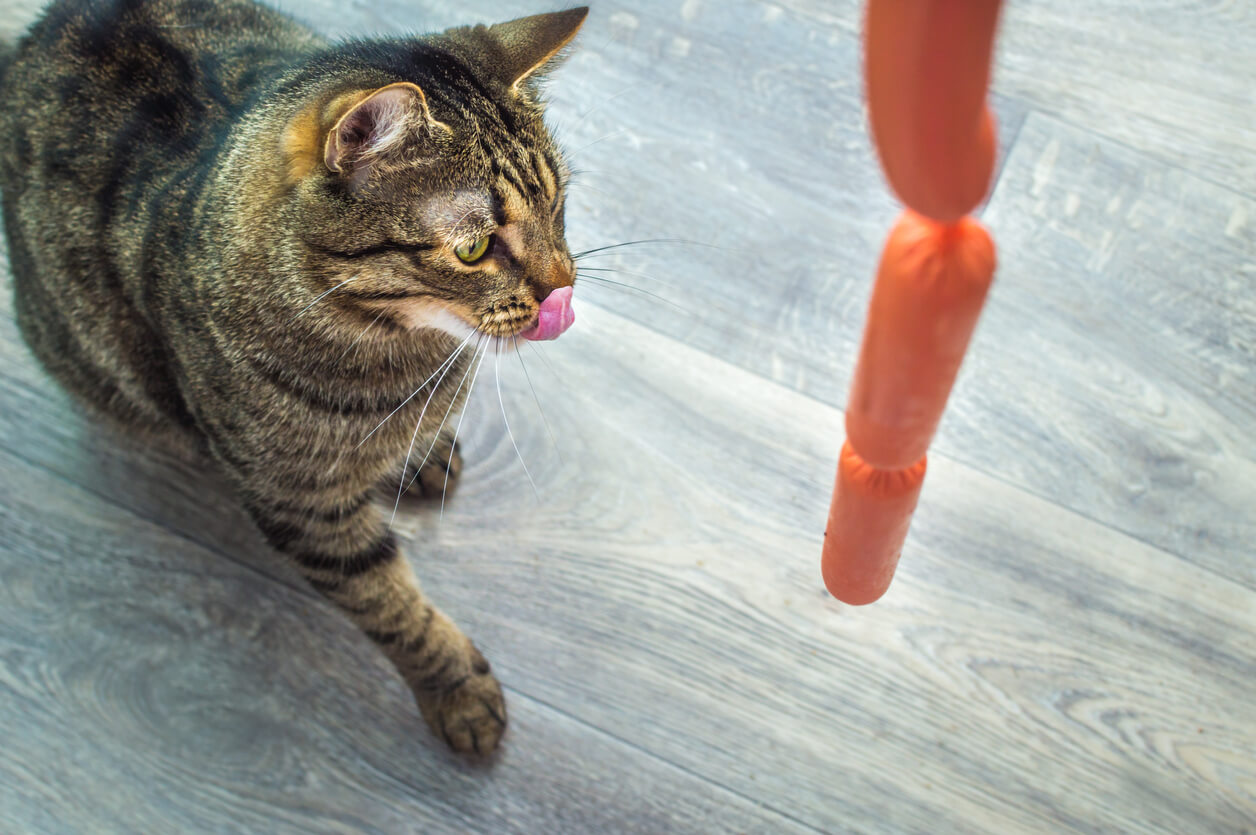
(228, 232)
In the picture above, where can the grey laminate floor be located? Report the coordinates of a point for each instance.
(1070, 644)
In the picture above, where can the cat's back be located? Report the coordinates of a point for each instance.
(93, 77)
(111, 112)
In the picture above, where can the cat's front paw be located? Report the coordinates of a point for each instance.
(438, 475)
(471, 714)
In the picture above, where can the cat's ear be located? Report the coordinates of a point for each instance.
(528, 47)
(386, 123)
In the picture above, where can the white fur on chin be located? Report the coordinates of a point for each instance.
(420, 315)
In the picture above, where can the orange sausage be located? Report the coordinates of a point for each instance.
(930, 288)
(927, 66)
(868, 523)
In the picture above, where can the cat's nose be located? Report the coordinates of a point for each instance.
(561, 273)
(555, 271)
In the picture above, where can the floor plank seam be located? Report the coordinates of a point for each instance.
(678, 766)
(1134, 537)
(976, 468)
(1070, 647)
(1006, 154)
(949, 457)
(1125, 145)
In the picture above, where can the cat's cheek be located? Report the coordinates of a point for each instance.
(419, 315)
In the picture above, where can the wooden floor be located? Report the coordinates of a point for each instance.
(1070, 643)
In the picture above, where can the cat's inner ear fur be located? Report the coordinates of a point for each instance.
(389, 123)
(528, 47)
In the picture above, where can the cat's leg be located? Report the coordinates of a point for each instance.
(348, 555)
(433, 475)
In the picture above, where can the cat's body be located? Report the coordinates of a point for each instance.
(226, 231)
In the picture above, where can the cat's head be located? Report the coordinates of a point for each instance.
(423, 182)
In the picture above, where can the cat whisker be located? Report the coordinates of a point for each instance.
(453, 446)
(325, 295)
(544, 419)
(452, 402)
(579, 176)
(336, 464)
(497, 373)
(453, 230)
(612, 284)
(610, 135)
(583, 185)
(402, 486)
(588, 252)
(544, 359)
(621, 272)
(630, 88)
(448, 361)
(441, 369)
(364, 332)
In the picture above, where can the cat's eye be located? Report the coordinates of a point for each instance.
(472, 251)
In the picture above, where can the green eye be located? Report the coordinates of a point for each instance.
(471, 252)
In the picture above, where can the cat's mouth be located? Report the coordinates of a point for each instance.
(553, 318)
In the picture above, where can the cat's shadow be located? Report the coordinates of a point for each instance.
(321, 662)
(178, 490)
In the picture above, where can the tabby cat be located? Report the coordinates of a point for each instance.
(226, 230)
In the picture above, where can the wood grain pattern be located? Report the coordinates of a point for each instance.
(1071, 640)
(1116, 369)
(147, 685)
(1110, 394)
(1036, 669)
(1171, 78)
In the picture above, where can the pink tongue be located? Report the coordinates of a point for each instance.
(554, 317)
